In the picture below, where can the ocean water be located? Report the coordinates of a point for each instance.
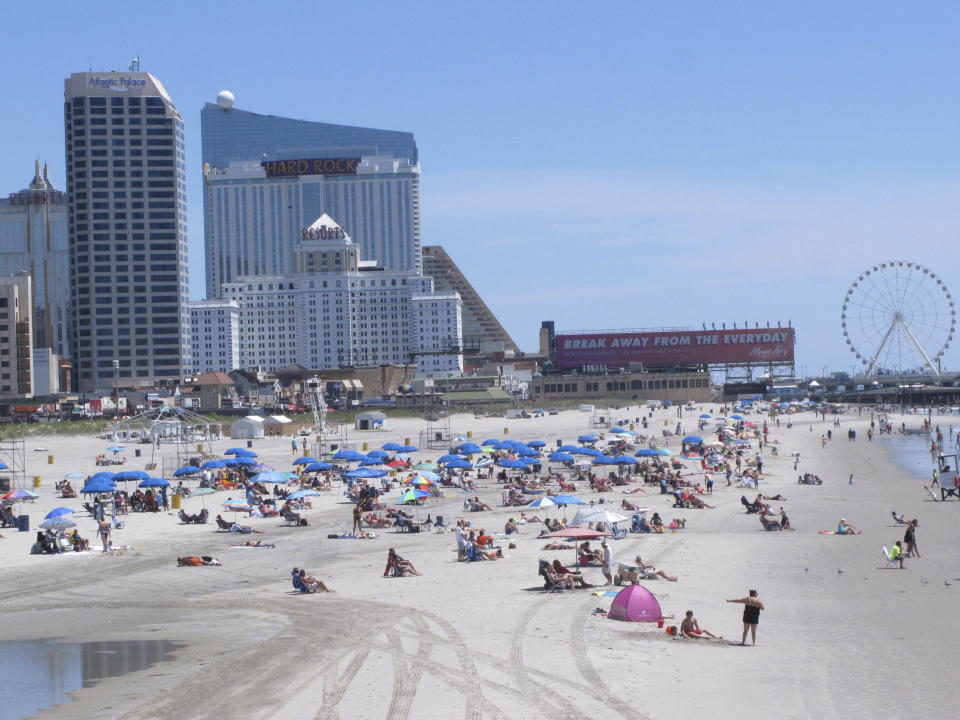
(912, 453)
(40, 673)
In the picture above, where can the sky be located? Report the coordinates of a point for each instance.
(605, 165)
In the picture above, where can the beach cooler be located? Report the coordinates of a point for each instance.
(23, 523)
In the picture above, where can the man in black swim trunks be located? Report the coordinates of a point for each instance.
(751, 615)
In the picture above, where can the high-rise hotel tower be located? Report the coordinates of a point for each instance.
(266, 177)
(126, 184)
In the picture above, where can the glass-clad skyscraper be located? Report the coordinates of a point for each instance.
(126, 185)
(266, 177)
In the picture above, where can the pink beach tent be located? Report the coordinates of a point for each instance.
(635, 604)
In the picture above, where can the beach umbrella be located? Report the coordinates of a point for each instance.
(432, 477)
(236, 505)
(154, 482)
(567, 448)
(528, 461)
(235, 451)
(449, 458)
(75, 476)
(246, 454)
(201, 492)
(212, 465)
(428, 466)
(271, 476)
(625, 460)
(567, 500)
(245, 461)
(536, 443)
(58, 523)
(412, 495)
(543, 502)
(490, 442)
(586, 439)
(305, 460)
(604, 460)
(318, 467)
(305, 493)
(618, 430)
(513, 464)
(130, 476)
(646, 452)
(115, 448)
(378, 454)
(460, 464)
(399, 464)
(98, 485)
(20, 494)
(408, 448)
(392, 447)
(560, 457)
(705, 416)
(483, 462)
(469, 449)
(597, 514)
(593, 452)
(663, 451)
(420, 481)
(692, 439)
(230, 462)
(527, 452)
(4, 466)
(369, 461)
(186, 470)
(365, 473)
(57, 512)
(347, 455)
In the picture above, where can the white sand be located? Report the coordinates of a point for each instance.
(479, 640)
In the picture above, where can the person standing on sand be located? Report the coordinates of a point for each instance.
(751, 615)
(607, 568)
(910, 539)
(104, 530)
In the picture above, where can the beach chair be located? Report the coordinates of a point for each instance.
(891, 563)
(439, 525)
(298, 583)
(618, 533)
(223, 525)
(770, 524)
(551, 583)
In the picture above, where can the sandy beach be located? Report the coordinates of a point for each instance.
(840, 636)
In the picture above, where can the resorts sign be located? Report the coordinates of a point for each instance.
(675, 348)
(316, 166)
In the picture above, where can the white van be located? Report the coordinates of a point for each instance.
(587, 408)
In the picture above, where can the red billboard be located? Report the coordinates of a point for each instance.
(681, 347)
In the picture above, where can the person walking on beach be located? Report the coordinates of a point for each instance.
(104, 529)
(293, 445)
(607, 568)
(751, 615)
(910, 539)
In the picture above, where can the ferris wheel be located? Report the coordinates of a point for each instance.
(898, 317)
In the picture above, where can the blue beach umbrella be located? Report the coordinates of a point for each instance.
(393, 447)
(245, 461)
(99, 485)
(542, 503)
(115, 448)
(154, 482)
(560, 457)
(370, 461)
(58, 512)
(536, 443)
(567, 448)
(646, 452)
(490, 441)
(692, 439)
(300, 494)
(365, 473)
(234, 451)
(469, 449)
(318, 467)
(460, 464)
(305, 460)
(271, 476)
(408, 448)
(705, 416)
(513, 464)
(212, 465)
(567, 500)
(587, 439)
(378, 454)
(130, 476)
(625, 460)
(347, 455)
(449, 458)
(186, 470)
(75, 476)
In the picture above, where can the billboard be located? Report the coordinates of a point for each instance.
(680, 347)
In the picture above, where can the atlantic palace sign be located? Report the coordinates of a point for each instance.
(313, 166)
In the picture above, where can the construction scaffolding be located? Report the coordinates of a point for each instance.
(437, 434)
(601, 418)
(191, 434)
(13, 454)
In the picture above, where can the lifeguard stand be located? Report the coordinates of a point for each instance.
(947, 476)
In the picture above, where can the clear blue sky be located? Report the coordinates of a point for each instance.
(605, 165)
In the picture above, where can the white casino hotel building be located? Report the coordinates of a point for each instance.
(336, 310)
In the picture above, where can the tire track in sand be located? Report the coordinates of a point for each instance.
(339, 685)
(589, 673)
(553, 705)
(472, 693)
(406, 676)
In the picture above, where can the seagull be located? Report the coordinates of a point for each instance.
(946, 583)
(839, 571)
(923, 581)
(806, 569)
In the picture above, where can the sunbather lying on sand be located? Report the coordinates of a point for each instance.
(194, 561)
(558, 546)
(254, 543)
